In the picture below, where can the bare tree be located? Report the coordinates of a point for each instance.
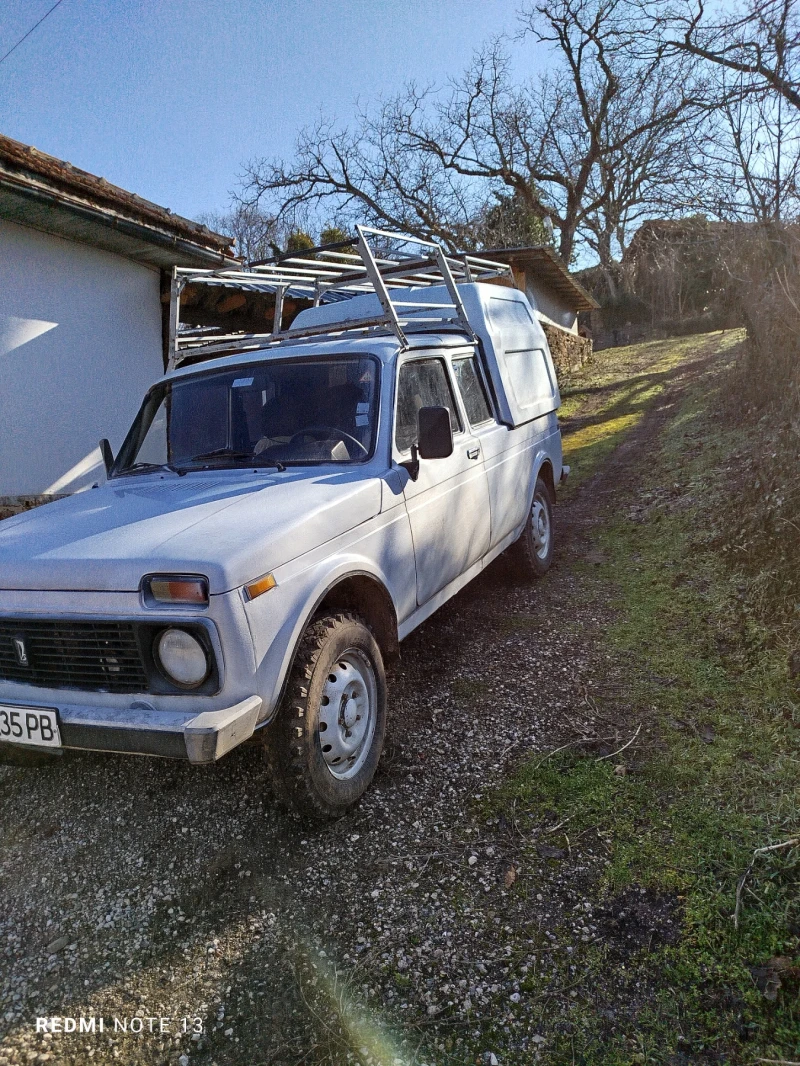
(747, 163)
(367, 171)
(622, 147)
(642, 175)
(436, 162)
(747, 152)
(256, 234)
(759, 40)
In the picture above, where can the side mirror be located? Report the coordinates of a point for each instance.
(107, 454)
(434, 438)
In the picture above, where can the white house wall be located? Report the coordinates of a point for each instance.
(548, 304)
(80, 342)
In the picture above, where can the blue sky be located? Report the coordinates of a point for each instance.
(167, 98)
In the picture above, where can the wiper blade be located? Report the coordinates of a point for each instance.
(243, 457)
(140, 468)
(220, 453)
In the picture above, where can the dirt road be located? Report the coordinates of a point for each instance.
(409, 932)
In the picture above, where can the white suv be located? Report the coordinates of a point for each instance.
(275, 523)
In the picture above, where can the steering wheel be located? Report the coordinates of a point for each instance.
(315, 431)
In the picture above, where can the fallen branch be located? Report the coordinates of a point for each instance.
(590, 702)
(572, 743)
(774, 847)
(624, 746)
(553, 828)
(739, 888)
(779, 1062)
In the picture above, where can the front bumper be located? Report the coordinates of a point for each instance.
(142, 730)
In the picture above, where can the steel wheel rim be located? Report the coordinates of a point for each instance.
(540, 526)
(347, 714)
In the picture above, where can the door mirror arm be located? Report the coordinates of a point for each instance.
(412, 464)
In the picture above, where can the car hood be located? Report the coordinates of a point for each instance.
(232, 527)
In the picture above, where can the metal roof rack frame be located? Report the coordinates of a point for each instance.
(330, 273)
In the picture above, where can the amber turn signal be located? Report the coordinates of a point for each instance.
(175, 588)
(256, 588)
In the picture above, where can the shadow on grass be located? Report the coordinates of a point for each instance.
(626, 398)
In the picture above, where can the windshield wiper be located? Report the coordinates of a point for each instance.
(140, 468)
(231, 453)
(276, 463)
(221, 453)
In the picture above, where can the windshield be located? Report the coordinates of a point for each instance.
(270, 414)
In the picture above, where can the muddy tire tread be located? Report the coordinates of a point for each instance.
(522, 553)
(285, 751)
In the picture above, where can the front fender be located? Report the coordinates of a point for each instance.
(279, 618)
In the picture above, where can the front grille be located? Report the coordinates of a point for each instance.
(101, 656)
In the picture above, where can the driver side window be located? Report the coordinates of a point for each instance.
(422, 383)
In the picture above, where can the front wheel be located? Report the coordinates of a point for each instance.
(532, 554)
(324, 746)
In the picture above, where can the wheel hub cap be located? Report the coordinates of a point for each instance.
(540, 526)
(350, 713)
(347, 714)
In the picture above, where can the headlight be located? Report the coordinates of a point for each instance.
(182, 657)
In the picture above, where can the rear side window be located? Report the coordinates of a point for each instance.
(472, 392)
(422, 383)
(529, 376)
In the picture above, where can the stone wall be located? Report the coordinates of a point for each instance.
(569, 351)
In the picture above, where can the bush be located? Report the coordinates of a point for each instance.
(762, 529)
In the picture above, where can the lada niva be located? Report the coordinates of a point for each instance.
(275, 523)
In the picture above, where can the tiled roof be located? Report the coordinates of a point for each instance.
(548, 265)
(39, 190)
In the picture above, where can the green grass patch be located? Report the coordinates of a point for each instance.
(714, 776)
(608, 397)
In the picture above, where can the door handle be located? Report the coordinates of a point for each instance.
(473, 453)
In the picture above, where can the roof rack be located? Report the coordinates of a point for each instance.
(330, 273)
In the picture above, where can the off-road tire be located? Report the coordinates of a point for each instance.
(302, 779)
(526, 557)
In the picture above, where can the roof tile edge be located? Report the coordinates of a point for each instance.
(28, 166)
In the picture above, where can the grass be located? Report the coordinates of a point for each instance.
(608, 397)
(716, 772)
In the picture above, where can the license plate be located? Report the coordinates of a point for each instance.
(29, 725)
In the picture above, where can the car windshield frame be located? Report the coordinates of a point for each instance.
(127, 464)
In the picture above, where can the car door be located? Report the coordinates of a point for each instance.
(448, 504)
(507, 453)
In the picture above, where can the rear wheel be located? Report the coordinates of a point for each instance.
(532, 554)
(324, 746)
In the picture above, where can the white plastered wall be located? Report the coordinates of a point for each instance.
(548, 305)
(80, 342)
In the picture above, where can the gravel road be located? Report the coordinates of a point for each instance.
(173, 898)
